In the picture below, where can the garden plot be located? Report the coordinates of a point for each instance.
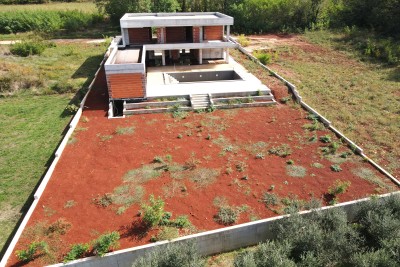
(192, 172)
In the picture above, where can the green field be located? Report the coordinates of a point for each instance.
(33, 118)
(89, 7)
(361, 98)
(359, 95)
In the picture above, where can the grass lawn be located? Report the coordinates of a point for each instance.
(31, 127)
(361, 98)
(81, 6)
(33, 118)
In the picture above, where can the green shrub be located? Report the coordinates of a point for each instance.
(336, 168)
(27, 48)
(227, 215)
(326, 238)
(153, 213)
(46, 21)
(270, 199)
(339, 187)
(105, 243)
(182, 222)
(243, 40)
(172, 255)
(263, 57)
(77, 251)
(325, 139)
(31, 252)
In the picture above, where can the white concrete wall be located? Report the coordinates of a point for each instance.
(210, 242)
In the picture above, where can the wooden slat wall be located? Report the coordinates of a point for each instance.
(213, 32)
(127, 85)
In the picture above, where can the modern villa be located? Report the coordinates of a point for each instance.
(170, 55)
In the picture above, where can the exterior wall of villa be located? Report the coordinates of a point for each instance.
(139, 35)
(126, 85)
(213, 32)
(196, 34)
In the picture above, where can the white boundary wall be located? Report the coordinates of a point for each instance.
(210, 242)
(72, 125)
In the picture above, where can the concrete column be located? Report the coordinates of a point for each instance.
(201, 34)
(228, 31)
(125, 36)
(200, 56)
(163, 57)
(163, 35)
(227, 55)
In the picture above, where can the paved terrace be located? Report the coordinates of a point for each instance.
(157, 88)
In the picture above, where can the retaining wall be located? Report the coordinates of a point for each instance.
(211, 242)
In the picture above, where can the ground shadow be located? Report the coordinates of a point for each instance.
(394, 75)
(137, 230)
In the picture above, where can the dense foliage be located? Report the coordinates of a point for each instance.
(327, 239)
(257, 16)
(181, 255)
(46, 21)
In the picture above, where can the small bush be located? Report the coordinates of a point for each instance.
(260, 155)
(182, 222)
(336, 168)
(31, 252)
(243, 40)
(339, 187)
(264, 58)
(71, 109)
(27, 48)
(61, 226)
(77, 251)
(325, 139)
(270, 199)
(281, 151)
(104, 200)
(153, 213)
(227, 215)
(105, 243)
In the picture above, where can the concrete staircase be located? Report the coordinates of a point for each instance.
(200, 101)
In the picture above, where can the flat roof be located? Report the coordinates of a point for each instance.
(140, 20)
(127, 56)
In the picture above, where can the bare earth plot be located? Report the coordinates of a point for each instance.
(197, 163)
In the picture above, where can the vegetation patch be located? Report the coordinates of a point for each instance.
(204, 176)
(281, 151)
(296, 171)
(369, 175)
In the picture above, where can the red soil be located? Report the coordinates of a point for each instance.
(97, 161)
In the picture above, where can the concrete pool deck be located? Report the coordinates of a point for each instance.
(156, 86)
